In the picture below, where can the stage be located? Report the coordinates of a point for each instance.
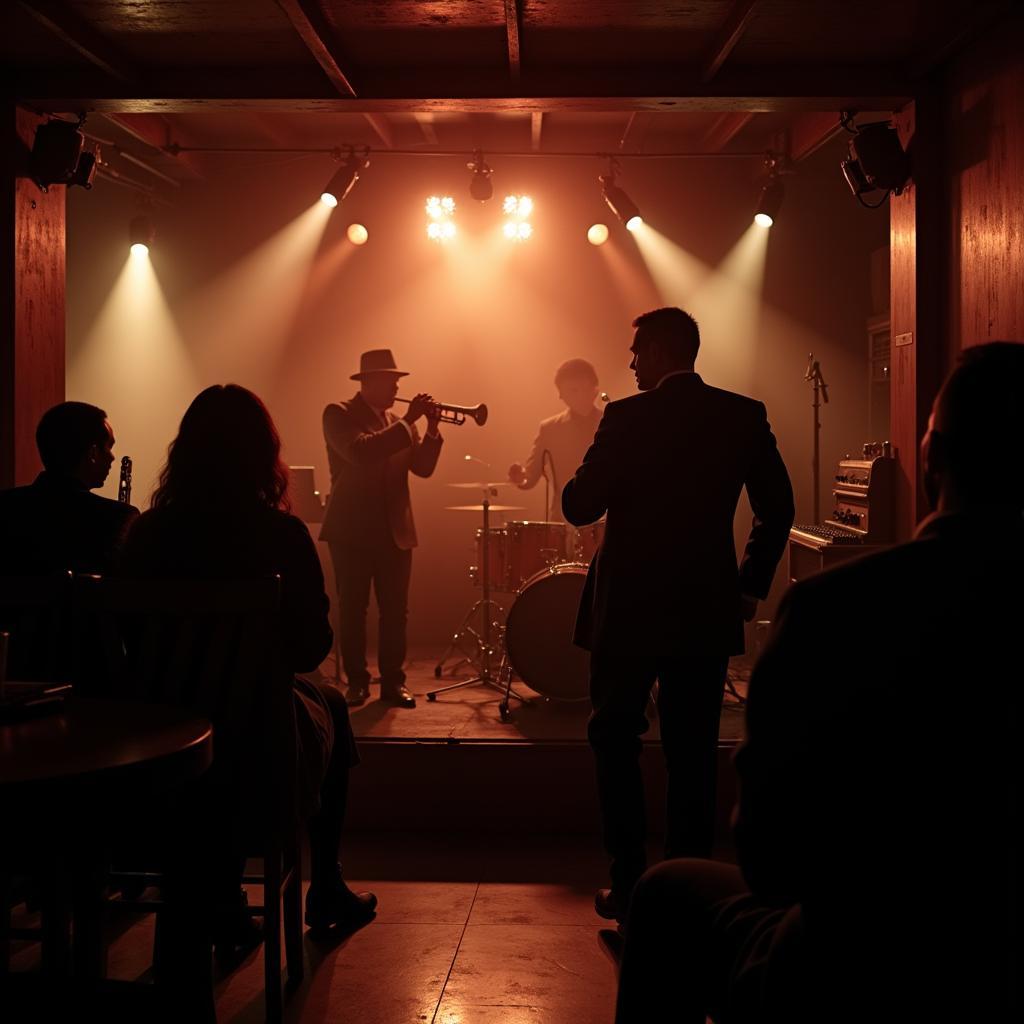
(452, 765)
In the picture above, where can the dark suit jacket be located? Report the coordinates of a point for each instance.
(55, 524)
(370, 466)
(668, 466)
(878, 777)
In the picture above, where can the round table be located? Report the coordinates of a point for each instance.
(66, 777)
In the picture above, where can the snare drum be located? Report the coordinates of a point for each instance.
(497, 560)
(534, 546)
(538, 634)
(588, 540)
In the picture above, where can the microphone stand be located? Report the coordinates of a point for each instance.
(813, 376)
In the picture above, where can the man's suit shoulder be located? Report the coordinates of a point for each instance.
(555, 421)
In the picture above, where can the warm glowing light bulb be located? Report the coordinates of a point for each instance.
(357, 234)
(434, 231)
(597, 234)
(525, 206)
(525, 230)
(763, 220)
(634, 223)
(509, 204)
(448, 205)
(448, 229)
(328, 200)
(140, 249)
(509, 229)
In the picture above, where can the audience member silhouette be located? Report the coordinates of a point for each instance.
(220, 511)
(663, 598)
(874, 829)
(55, 523)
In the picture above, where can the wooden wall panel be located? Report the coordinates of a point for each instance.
(985, 156)
(32, 291)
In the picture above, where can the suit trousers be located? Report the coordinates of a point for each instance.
(689, 706)
(389, 568)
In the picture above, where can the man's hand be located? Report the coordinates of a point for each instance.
(517, 474)
(748, 607)
(433, 415)
(419, 406)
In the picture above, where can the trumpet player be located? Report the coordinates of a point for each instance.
(563, 439)
(368, 524)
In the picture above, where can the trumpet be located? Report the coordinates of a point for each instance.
(458, 414)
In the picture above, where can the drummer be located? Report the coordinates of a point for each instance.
(563, 439)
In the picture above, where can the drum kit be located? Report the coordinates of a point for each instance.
(542, 566)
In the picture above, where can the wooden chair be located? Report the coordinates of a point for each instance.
(214, 647)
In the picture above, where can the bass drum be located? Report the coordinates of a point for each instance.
(538, 634)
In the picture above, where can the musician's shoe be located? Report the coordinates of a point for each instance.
(397, 695)
(335, 906)
(608, 905)
(356, 695)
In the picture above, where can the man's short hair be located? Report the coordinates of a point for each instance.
(575, 369)
(66, 432)
(676, 329)
(980, 415)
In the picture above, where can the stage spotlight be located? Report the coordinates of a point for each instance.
(57, 157)
(618, 202)
(877, 162)
(344, 178)
(357, 234)
(441, 211)
(480, 186)
(769, 203)
(597, 234)
(517, 208)
(141, 233)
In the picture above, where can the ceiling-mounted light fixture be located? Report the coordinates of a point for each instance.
(877, 161)
(618, 202)
(345, 177)
(141, 234)
(480, 186)
(772, 194)
(57, 157)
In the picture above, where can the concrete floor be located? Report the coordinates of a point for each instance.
(454, 941)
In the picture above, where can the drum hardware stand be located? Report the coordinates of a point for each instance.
(486, 650)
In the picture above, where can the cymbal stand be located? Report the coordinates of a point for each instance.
(486, 648)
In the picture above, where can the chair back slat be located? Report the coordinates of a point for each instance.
(213, 647)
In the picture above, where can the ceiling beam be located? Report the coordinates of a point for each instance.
(729, 35)
(513, 19)
(156, 132)
(809, 132)
(536, 128)
(426, 123)
(81, 37)
(725, 128)
(309, 22)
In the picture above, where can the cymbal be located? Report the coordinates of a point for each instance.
(480, 508)
(481, 486)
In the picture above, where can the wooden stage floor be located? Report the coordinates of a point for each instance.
(471, 714)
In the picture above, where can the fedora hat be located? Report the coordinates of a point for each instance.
(377, 360)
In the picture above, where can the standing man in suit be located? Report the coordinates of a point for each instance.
(368, 523)
(566, 436)
(56, 523)
(664, 599)
(877, 828)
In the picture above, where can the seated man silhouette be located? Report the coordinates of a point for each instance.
(56, 523)
(877, 864)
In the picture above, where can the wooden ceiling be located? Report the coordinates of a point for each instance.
(626, 76)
